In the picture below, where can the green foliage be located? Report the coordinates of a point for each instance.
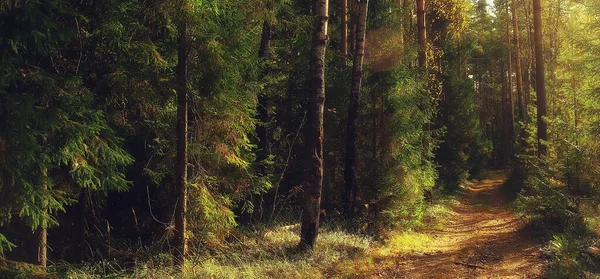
(464, 150)
(403, 170)
(566, 255)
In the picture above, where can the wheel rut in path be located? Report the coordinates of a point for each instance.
(482, 239)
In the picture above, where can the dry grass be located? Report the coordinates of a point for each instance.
(270, 253)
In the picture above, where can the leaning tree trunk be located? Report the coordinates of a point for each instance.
(421, 30)
(542, 125)
(313, 180)
(179, 241)
(354, 108)
(518, 68)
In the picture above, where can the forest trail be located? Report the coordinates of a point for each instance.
(481, 239)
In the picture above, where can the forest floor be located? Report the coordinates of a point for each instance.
(473, 234)
(481, 238)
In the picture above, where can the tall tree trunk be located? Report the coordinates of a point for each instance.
(531, 47)
(374, 117)
(354, 108)
(353, 19)
(313, 180)
(261, 107)
(518, 69)
(542, 109)
(510, 104)
(421, 30)
(407, 22)
(344, 30)
(505, 119)
(179, 240)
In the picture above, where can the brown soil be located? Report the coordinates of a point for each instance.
(483, 239)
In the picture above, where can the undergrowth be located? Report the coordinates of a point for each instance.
(269, 252)
(558, 197)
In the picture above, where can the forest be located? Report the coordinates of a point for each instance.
(299, 139)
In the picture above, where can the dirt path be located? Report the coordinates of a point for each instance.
(483, 239)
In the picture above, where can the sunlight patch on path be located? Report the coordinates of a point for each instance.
(483, 239)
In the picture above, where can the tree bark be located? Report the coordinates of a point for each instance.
(542, 108)
(354, 108)
(407, 22)
(344, 30)
(41, 244)
(179, 240)
(313, 180)
(518, 68)
(505, 120)
(531, 49)
(39, 250)
(510, 104)
(353, 17)
(421, 30)
(261, 107)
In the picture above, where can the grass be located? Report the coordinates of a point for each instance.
(269, 252)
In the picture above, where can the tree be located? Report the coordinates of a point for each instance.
(518, 68)
(261, 108)
(421, 31)
(179, 241)
(542, 125)
(313, 179)
(59, 139)
(509, 105)
(344, 29)
(354, 108)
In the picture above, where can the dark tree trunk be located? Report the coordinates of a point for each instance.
(505, 120)
(353, 110)
(179, 241)
(313, 180)
(344, 30)
(353, 23)
(374, 116)
(542, 108)
(407, 22)
(261, 108)
(39, 248)
(518, 68)
(531, 47)
(509, 88)
(39, 255)
(421, 30)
